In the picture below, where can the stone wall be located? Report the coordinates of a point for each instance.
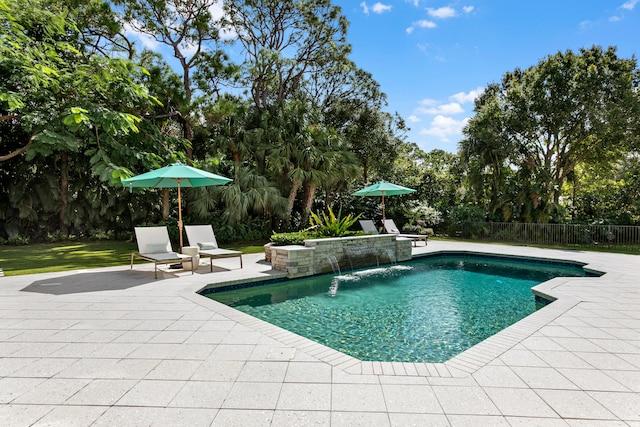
(317, 255)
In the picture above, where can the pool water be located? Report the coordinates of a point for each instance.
(426, 310)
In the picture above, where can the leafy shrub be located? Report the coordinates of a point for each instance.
(57, 236)
(294, 238)
(466, 213)
(425, 216)
(330, 225)
(466, 221)
(18, 240)
(418, 229)
(506, 235)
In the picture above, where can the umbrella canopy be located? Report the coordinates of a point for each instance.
(383, 188)
(176, 175)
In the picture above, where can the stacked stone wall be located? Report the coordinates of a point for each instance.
(324, 255)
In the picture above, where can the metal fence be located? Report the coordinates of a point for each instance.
(583, 235)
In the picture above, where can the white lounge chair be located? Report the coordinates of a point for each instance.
(391, 228)
(204, 237)
(154, 245)
(368, 226)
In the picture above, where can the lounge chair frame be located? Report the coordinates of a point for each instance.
(204, 233)
(391, 228)
(151, 240)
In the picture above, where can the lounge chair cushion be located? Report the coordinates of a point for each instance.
(207, 245)
(155, 248)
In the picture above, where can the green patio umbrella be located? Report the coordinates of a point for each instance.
(176, 175)
(383, 188)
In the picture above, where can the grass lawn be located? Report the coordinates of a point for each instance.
(50, 257)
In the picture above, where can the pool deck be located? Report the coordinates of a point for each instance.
(114, 347)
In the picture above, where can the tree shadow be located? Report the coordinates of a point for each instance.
(83, 282)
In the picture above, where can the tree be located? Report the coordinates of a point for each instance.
(57, 102)
(543, 122)
(234, 132)
(375, 137)
(188, 28)
(284, 42)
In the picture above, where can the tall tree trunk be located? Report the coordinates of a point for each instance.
(188, 128)
(292, 198)
(64, 192)
(309, 195)
(166, 203)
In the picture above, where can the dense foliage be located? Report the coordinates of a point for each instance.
(544, 127)
(265, 92)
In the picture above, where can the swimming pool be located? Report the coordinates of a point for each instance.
(425, 310)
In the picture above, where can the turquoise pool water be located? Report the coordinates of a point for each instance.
(426, 310)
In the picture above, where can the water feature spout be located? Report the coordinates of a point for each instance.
(333, 289)
(392, 256)
(334, 264)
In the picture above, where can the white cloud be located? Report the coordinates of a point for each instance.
(381, 8)
(427, 102)
(467, 9)
(146, 40)
(614, 19)
(217, 10)
(188, 49)
(443, 127)
(446, 109)
(442, 12)
(629, 5)
(421, 24)
(217, 14)
(365, 8)
(585, 25)
(416, 3)
(464, 98)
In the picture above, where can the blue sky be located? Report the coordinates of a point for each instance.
(432, 57)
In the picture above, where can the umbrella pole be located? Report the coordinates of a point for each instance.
(180, 215)
(383, 218)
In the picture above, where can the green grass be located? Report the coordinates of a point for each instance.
(52, 257)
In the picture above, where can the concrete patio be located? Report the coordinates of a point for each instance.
(114, 347)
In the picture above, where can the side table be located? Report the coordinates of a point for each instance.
(193, 251)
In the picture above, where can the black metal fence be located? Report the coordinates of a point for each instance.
(582, 235)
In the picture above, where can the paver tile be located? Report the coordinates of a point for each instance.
(575, 404)
(465, 400)
(202, 394)
(101, 392)
(305, 397)
(519, 401)
(419, 399)
(301, 418)
(357, 397)
(151, 393)
(359, 419)
(248, 395)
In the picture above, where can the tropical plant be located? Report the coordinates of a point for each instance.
(330, 225)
